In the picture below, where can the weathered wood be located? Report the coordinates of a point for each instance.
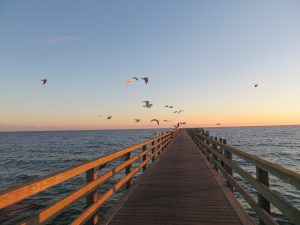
(153, 150)
(15, 194)
(262, 214)
(263, 177)
(286, 208)
(215, 147)
(228, 155)
(179, 189)
(91, 198)
(127, 171)
(144, 157)
(284, 174)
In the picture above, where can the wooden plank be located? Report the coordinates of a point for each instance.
(179, 189)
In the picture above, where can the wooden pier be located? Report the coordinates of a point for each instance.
(180, 184)
(181, 188)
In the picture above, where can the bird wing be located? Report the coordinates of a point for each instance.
(146, 80)
(130, 80)
(135, 78)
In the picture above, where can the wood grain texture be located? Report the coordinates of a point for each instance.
(179, 189)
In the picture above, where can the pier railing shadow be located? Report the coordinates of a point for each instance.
(220, 154)
(135, 158)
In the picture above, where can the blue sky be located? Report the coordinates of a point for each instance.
(202, 56)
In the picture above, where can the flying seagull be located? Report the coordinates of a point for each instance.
(255, 85)
(155, 120)
(175, 111)
(130, 80)
(218, 124)
(109, 117)
(176, 126)
(167, 106)
(44, 81)
(171, 106)
(148, 105)
(182, 122)
(167, 121)
(180, 111)
(137, 120)
(146, 79)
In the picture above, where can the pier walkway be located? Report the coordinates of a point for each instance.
(180, 188)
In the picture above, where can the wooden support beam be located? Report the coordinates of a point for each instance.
(263, 177)
(92, 197)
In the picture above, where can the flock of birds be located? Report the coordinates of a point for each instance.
(147, 103)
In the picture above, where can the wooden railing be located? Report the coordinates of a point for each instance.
(150, 150)
(220, 154)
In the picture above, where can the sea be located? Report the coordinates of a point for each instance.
(26, 156)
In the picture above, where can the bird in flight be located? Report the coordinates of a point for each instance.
(148, 105)
(182, 122)
(176, 126)
(130, 80)
(109, 117)
(171, 107)
(137, 120)
(255, 85)
(146, 79)
(180, 111)
(44, 81)
(175, 111)
(218, 124)
(166, 106)
(167, 121)
(155, 120)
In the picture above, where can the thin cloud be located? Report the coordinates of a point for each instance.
(60, 40)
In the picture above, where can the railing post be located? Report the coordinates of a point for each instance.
(158, 146)
(215, 147)
(91, 198)
(221, 151)
(127, 171)
(228, 155)
(153, 150)
(262, 177)
(144, 157)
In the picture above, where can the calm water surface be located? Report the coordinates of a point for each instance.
(26, 156)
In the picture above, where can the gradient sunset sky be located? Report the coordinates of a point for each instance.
(200, 56)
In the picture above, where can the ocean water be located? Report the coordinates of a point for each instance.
(26, 156)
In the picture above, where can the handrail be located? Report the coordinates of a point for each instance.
(220, 154)
(16, 194)
(287, 175)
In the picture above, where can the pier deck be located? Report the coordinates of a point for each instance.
(180, 188)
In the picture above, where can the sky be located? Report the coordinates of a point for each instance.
(200, 56)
